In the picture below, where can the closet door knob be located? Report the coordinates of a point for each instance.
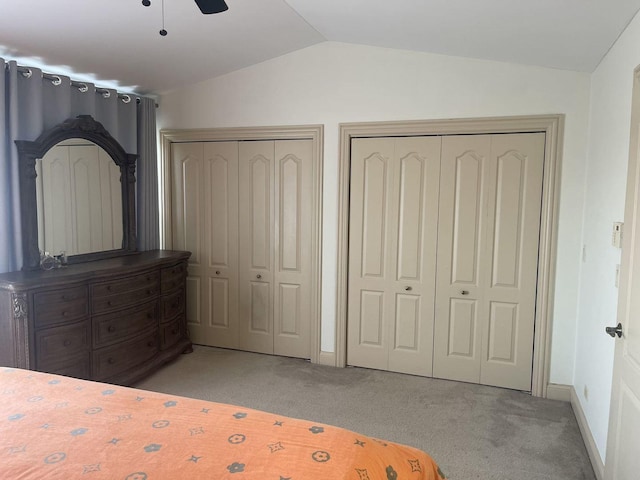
(258, 276)
(464, 292)
(408, 289)
(217, 272)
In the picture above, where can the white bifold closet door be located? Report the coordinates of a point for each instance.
(488, 237)
(443, 251)
(204, 201)
(392, 252)
(244, 211)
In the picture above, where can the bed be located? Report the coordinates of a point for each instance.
(54, 427)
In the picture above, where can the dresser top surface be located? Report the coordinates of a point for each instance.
(89, 270)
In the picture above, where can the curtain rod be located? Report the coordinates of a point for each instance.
(81, 86)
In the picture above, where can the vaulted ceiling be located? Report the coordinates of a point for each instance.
(116, 42)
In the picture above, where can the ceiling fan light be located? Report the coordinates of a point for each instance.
(212, 6)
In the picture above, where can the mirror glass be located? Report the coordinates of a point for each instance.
(79, 199)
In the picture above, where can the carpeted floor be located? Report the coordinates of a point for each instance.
(472, 431)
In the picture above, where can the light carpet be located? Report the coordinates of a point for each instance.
(472, 431)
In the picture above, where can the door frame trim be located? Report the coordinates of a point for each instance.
(315, 133)
(553, 127)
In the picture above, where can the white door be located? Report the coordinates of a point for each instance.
(205, 222)
(257, 231)
(488, 236)
(292, 256)
(623, 444)
(275, 244)
(244, 210)
(392, 246)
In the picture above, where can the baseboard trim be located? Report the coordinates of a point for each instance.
(327, 358)
(587, 436)
(557, 391)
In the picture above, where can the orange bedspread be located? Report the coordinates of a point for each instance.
(59, 427)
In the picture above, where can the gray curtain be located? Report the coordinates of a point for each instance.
(148, 222)
(30, 104)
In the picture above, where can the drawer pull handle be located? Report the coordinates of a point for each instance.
(149, 278)
(66, 343)
(111, 329)
(149, 292)
(111, 361)
(108, 303)
(149, 315)
(64, 313)
(151, 344)
(174, 331)
(217, 272)
(65, 298)
(109, 288)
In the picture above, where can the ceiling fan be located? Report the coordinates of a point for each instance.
(211, 6)
(206, 6)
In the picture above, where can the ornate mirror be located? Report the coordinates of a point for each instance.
(77, 193)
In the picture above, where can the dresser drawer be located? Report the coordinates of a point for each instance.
(115, 327)
(132, 290)
(171, 333)
(173, 305)
(55, 345)
(60, 306)
(173, 277)
(77, 367)
(111, 361)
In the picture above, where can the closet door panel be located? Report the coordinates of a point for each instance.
(205, 210)
(187, 198)
(219, 302)
(256, 233)
(394, 195)
(221, 241)
(412, 238)
(407, 323)
(369, 283)
(513, 212)
(187, 202)
(462, 334)
(293, 224)
(461, 229)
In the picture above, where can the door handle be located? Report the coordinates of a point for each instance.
(258, 276)
(408, 289)
(464, 292)
(613, 331)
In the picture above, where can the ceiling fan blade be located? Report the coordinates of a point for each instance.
(211, 6)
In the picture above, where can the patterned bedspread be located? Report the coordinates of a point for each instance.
(64, 428)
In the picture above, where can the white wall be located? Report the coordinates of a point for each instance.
(610, 115)
(330, 83)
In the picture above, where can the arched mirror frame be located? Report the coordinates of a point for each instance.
(85, 127)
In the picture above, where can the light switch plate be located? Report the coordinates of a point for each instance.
(616, 239)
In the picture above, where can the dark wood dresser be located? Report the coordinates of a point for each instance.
(114, 320)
